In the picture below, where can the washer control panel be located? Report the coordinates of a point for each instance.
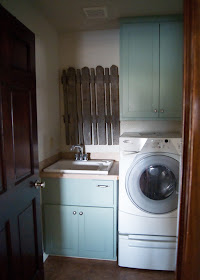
(166, 145)
(160, 144)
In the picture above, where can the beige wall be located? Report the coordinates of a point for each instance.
(47, 80)
(89, 49)
(94, 48)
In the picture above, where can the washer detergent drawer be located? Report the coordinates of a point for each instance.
(151, 252)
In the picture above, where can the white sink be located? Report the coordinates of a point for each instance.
(83, 167)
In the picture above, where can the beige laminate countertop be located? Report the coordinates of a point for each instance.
(112, 175)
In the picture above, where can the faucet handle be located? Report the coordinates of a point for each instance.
(76, 156)
(80, 156)
(85, 157)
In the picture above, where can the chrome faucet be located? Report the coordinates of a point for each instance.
(80, 155)
(79, 147)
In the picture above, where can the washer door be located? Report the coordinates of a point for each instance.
(152, 184)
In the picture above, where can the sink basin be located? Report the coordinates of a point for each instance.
(83, 167)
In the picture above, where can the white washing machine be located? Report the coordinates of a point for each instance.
(148, 200)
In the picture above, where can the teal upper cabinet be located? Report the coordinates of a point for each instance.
(171, 69)
(151, 68)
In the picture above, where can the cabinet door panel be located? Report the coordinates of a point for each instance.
(61, 230)
(139, 70)
(171, 69)
(96, 233)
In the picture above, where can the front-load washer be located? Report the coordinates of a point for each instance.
(148, 199)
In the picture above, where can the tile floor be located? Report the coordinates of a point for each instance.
(61, 268)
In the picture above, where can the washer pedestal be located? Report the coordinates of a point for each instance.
(147, 252)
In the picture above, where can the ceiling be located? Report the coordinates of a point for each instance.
(68, 15)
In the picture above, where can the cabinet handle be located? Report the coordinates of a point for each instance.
(74, 213)
(127, 141)
(155, 110)
(162, 111)
(102, 186)
(81, 213)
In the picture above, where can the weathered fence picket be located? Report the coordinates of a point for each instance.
(91, 105)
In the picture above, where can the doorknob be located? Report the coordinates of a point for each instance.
(81, 213)
(39, 184)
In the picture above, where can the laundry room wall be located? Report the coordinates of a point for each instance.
(101, 47)
(47, 77)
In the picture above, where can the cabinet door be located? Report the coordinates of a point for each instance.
(61, 230)
(171, 69)
(139, 71)
(96, 233)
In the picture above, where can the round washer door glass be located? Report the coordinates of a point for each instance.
(152, 183)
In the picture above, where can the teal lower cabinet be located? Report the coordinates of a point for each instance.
(86, 230)
(96, 233)
(61, 230)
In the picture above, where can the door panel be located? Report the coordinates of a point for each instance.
(7, 138)
(171, 69)
(96, 232)
(20, 227)
(5, 252)
(140, 70)
(21, 55)
(61, 230)
(28, 240)
(21, 106)
(1, 168)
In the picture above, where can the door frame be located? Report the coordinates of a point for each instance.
(189, 226)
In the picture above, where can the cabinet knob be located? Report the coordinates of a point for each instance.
(162, 111)
(74, 213)
(155, 110)
(81, 213)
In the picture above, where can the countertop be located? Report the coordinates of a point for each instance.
(112, 175)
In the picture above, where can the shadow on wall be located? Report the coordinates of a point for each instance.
(151, 126)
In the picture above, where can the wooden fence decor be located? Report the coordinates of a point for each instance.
(91, 105)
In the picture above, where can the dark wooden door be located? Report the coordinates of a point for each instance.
(20, 217)
(188, 262)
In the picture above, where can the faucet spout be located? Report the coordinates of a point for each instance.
(80, 155)
(79, 147)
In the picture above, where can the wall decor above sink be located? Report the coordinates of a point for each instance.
(91, 99)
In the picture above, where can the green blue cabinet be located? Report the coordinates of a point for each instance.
(80, 218)
(96, 232)
(60, 230)
(151, 68)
